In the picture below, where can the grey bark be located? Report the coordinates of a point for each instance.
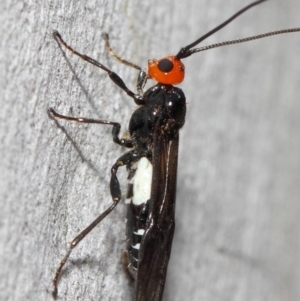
(238, 210)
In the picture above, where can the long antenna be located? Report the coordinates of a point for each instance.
(237, 41)
(185, 51)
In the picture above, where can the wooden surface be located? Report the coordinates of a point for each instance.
(238, 205)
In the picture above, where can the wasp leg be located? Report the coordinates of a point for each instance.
(115, 192)
(113, 76)
(115, 130)
(142, 78)
(115, 56)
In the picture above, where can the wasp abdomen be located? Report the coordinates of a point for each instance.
(138, 196)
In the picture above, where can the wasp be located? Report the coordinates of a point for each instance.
(151, 161)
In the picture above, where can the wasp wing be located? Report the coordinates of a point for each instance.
(156, 244)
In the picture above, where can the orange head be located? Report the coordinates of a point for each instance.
(168, 70)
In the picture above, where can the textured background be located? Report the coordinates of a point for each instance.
(238, 205)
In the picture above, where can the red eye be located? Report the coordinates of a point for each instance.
(168, 70)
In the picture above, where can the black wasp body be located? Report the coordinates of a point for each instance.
(151, 163)
(153, 129)
(164, 108)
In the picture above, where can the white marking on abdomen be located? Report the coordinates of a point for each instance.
(139, 232)
(142, 181)
(137, 246)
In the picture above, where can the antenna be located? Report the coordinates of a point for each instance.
(238, 41)
(186, 52)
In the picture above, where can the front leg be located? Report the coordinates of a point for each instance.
(142, 77)
(138, 99)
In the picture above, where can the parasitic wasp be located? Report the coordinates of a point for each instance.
(151, 161)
